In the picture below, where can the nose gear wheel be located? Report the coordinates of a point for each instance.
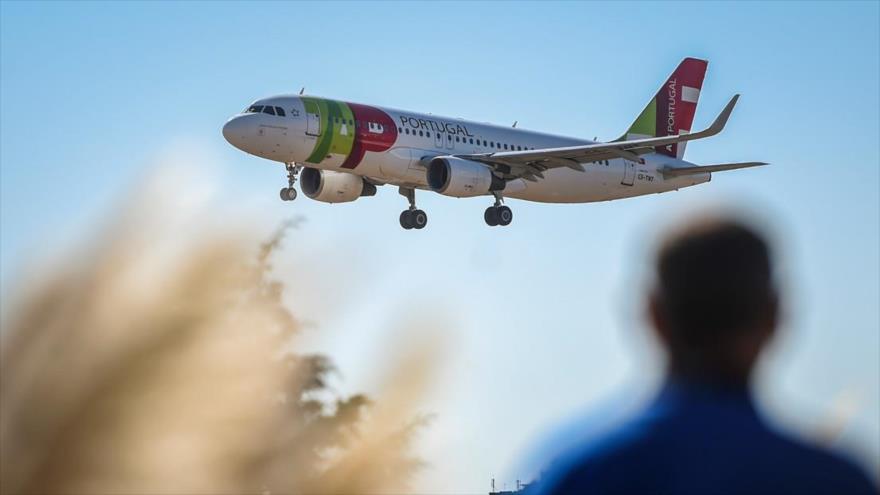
(289, 193)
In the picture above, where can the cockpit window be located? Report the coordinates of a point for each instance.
(271, 110)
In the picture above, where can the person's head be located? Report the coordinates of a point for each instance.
(714, 303)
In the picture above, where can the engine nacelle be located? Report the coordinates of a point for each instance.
(461, 178)
(334, 187)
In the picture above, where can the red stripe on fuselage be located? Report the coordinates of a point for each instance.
(366, 137)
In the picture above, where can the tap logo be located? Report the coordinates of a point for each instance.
(349, 130)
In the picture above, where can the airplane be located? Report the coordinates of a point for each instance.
(343, 151)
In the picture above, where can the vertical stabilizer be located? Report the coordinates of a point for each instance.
(671, 111)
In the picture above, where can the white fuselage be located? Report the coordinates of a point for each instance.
(324, 134)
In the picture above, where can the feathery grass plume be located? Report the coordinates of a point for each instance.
(150, 366)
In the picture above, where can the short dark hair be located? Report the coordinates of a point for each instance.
(714, 278)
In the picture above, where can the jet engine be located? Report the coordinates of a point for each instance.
(334, 187)
(461, 178)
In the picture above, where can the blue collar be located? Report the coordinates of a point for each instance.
(679, 393)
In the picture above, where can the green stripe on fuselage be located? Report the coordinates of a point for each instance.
(337, 128)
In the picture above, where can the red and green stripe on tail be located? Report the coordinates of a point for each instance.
(671, 111)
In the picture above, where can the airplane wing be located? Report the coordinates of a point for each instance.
(530, 164)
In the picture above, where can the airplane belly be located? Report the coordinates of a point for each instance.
(565, 186)
(400, 165)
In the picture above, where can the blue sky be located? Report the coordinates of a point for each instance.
(545, 315)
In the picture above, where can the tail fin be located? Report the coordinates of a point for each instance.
(672, 110)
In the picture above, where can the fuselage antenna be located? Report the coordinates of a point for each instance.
(301, 90)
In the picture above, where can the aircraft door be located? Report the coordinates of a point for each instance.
(313, 124)
(449, 141)
(629, 173)
(438, 140)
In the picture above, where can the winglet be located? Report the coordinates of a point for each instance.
(716, 127)
(721, 120)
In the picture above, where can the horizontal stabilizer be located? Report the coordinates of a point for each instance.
(670, 172)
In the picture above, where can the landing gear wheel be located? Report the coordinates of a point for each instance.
(412, 218)
(288, 194)
(505, 215)
(418, 219)
(491, 216)
(406, 219)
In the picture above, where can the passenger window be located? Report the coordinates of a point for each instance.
(428, 134)
(279, 111)
(456, 139)
(269, 110)
(485, 143)
(420, 133)
(350, 122)
(505, 146)
(472, 140)
(399, 130)
(519, 148)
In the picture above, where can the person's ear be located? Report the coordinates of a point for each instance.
(771, 318)
(658, 319)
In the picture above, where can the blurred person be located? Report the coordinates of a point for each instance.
(714, 307)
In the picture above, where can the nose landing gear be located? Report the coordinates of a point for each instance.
(412, 218)
(289, 193)
(498, 214)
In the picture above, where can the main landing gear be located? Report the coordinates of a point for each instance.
(498, 214)
(412, 218)
(289, 193)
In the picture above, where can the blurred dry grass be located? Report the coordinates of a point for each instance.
(139, 369)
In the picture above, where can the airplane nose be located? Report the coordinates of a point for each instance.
(235, 131)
